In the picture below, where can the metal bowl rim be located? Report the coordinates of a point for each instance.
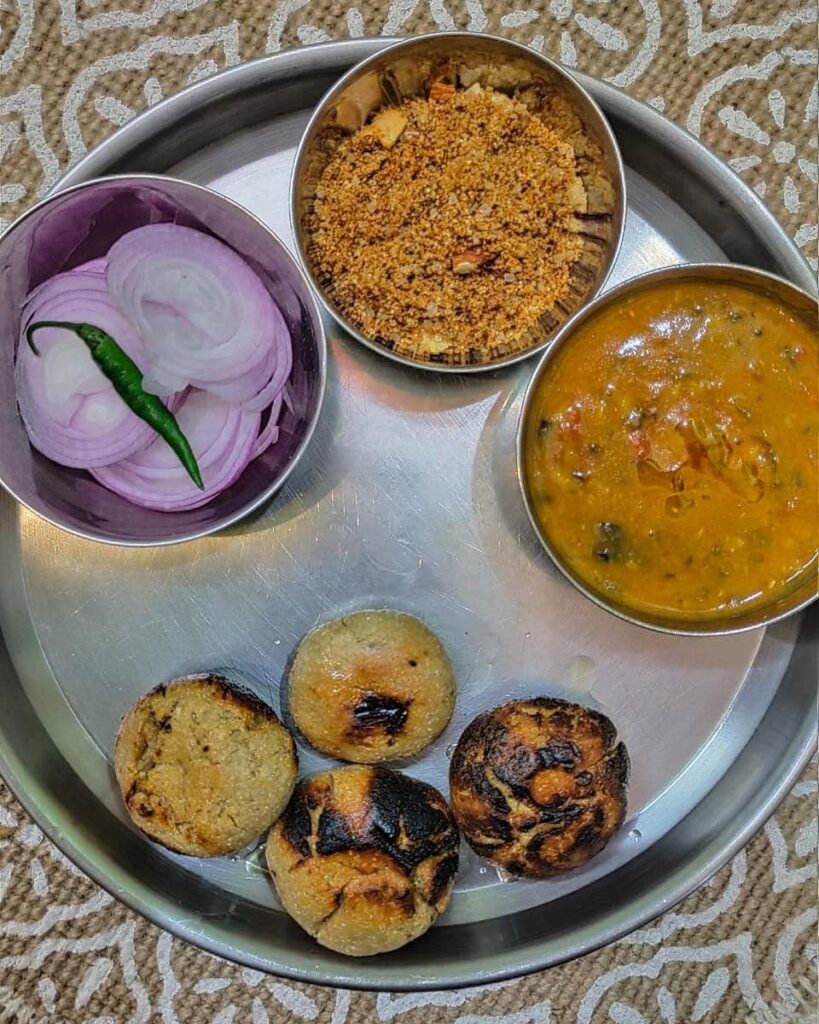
(560, 338)
(160, 180)
(489, 40)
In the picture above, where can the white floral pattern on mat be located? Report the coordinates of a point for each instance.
(21, 123)
(224, 41)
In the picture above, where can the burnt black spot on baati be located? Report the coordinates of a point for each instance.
(444, 875)
(403, 818)
(473, 774)
(514, 764)
(334, 833)
(296, 823)
(229, 691)
(376, 712)
(498, 828)
(618, 765)
(559, 754)
(241, 695)
(530, 788)
(534, 845)
(410, 820)
(588, 836)
(394, 848)
(560, 815)
(406, 902)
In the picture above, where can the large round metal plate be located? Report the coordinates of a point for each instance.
(407, 497)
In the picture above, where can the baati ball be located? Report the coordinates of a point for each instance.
(539, 786)
(371, 686)
(364, 858)
(204, 766)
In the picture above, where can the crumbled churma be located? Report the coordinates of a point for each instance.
(445, 227)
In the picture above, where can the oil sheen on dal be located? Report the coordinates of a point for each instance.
(671, 449)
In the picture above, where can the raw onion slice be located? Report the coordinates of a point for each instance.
(275, 385)
(70, 409)
(293, 401)
(223, 438)
(74, 282)
(287, 300)
(96, 266)
(206, 318)
(200, 324)
(269, 434)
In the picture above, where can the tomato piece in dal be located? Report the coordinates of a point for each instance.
(671, 449)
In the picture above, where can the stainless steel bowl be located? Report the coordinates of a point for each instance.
(804, 590)
(402, 71)
(81, 223)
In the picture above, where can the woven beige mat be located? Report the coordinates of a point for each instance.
(741, 74)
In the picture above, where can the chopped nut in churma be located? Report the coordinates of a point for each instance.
(446, 227)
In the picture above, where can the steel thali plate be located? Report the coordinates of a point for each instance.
(407, 498)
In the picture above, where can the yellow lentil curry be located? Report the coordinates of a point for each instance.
(671, 449)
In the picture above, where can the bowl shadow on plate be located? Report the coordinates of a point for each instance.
(410, 388)
(354, 367)
(495, 482)
(315, 476)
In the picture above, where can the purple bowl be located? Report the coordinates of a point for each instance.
(82, 223)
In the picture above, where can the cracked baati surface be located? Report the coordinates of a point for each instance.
(204, 766)
(539, 786)
(371, 686)
(364, 858)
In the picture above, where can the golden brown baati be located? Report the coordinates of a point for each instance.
(364, 858)
(371, 686)
(538, 786)
(204, 766)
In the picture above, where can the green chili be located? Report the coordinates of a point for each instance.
(126, 378)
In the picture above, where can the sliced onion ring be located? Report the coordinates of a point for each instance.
(70, 409)
(269, 434)
(223, 438)
(207, 334)
(205, 316)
